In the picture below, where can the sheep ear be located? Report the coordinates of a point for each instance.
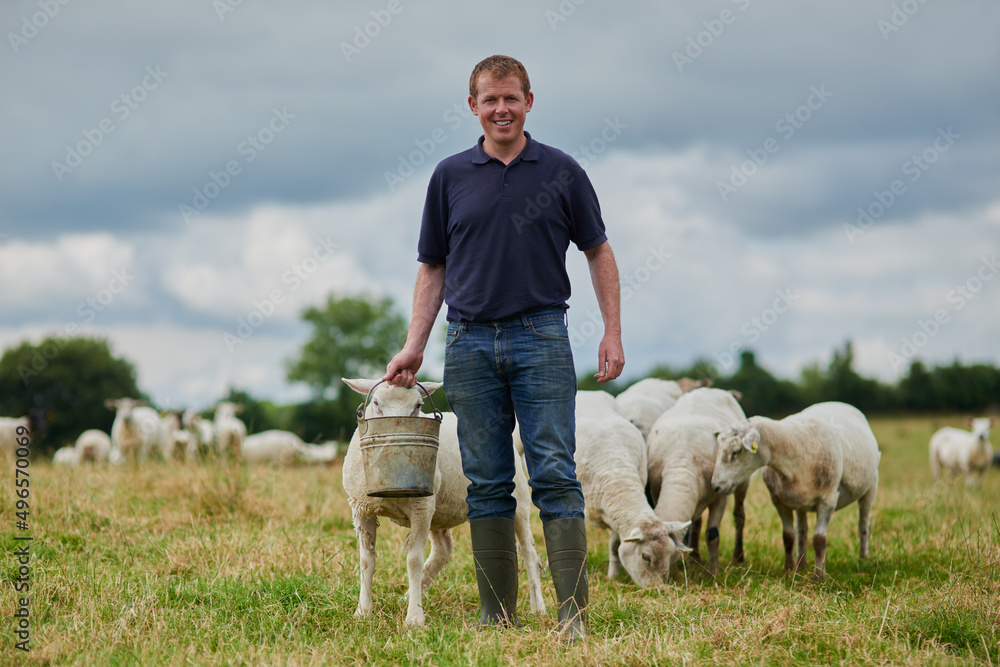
(111, 403)
(430, 387)
(634, 536)
(361, 386)
(751, 441)
(675, 526)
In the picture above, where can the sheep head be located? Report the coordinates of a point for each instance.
(649, 551)
(741, 450)
(390, 401)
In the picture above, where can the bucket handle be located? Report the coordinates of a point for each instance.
(364, 404)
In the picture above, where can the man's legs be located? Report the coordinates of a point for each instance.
(479, 396)
(543, 386)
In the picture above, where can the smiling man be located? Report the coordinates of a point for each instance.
(497, 222)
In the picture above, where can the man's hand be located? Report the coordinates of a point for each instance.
(402, 369)
(610, 358)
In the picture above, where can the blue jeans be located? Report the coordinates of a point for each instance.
(519, 367)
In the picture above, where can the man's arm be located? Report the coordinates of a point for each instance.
(604, 275)
(428, 295)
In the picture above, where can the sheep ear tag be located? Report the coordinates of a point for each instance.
(753, 448)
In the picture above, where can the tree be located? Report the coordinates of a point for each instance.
(351, 337)
(763, 394)
(67, 380)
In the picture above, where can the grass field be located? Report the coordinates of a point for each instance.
(194, 565)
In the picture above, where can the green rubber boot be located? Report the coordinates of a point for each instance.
(566, 542)
(495, 554)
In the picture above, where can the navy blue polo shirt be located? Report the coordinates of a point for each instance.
(502, 231)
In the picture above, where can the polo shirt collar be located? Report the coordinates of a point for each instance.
(529, 153)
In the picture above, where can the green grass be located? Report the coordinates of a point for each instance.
(200, 565)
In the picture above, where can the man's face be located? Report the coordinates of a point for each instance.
(501, 106)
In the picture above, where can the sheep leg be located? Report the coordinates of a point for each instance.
(802, 535)
(415, 543)
(441, 547)
(532, 561)
(692, 537)
(787, 533)
(614, 565)
(716, 511)
(865, 503)
(824, 513)
(365, 527)
(739, 519)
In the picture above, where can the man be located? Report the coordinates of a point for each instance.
(497, 222)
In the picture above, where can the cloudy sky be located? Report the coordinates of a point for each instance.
(782, 176)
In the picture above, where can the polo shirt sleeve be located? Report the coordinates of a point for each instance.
(432, 246)
(588, 225)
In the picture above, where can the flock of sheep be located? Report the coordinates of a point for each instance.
(650, 462)
(140, 433)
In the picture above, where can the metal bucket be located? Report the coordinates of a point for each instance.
(399, 453)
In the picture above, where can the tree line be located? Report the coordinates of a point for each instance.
(63, 382)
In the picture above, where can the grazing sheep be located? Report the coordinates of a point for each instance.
(93, 446)
(135, 431)
(66, 456)
(959, 450)
(682, 452)
(9, 435)
(230, 432)
(818, 460)
(175, 442)
(283, 448)
(204, 435)
(434, 515)
(611, 465)
(643, 402)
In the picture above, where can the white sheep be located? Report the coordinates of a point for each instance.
(175, 442)
(643, 402)
(682, 451)
(962, 451)
(201, 429)
(93, 446)
(66, 456)
(9, 434)
(284, 448)
(433, 515)
(611, 464)
(135, 431)
(818, 460)
(230, 431)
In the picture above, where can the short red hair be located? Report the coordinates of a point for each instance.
(498, 67)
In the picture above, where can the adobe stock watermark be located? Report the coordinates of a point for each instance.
(252, 146)
(701, 41)
(631, 284)
(756, 326)
(88, 310)
(370, 30)
(122, 107)
(293, 277)
(453, 117)
(563, 11)
(31, 25)
(898, 17)
(915, 167)
(597, 146)
(957, 298)
(786, 126)
(223, 7)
